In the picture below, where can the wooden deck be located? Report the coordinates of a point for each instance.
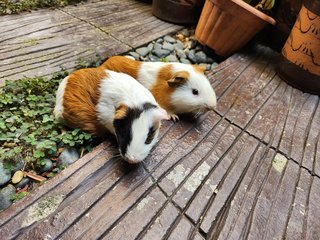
(39, 44)
(250, 170)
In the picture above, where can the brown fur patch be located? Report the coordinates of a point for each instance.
(121, 111)
(122, 64)
(161, 90)
(80, 99)
(199, 68)
(179, 78)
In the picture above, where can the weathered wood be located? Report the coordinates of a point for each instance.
(39, 44)
(250, 170)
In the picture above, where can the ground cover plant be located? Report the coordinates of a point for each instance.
(29, 134)
(10, 7)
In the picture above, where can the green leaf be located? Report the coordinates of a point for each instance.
(38, 154)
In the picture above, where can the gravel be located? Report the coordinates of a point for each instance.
(5, 175)
(5, 196)
(68, 156)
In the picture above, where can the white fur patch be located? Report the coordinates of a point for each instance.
(58, 109)
(148, 73)
(138, 149)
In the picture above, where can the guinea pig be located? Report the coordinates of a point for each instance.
(100, 101)
(177, 87)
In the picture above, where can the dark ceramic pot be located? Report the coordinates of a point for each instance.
(299, 63)
(178, 11)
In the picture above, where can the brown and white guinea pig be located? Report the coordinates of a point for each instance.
(177, 87)
(99, 101)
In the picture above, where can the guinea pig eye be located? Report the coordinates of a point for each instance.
(195, 91)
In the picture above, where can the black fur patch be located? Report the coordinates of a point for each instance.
(123, 127)
(151, 134)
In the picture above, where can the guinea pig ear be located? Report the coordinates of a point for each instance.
(160, 114)
(178, 79)
(121, 111)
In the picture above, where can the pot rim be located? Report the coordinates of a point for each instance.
(251, 9)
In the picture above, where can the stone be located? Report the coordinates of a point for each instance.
(23, 183)
(201, 57)
(135, 55)
(214, 64)
(150, 47)
(168, 46)
(205, 66)
(157, 46)
(198, 48)
(5, 175)
(161, 52)
(172, 58)
(18, 163)
(160, 40)
(184, 60)
(178, 46)
(143, 51)
(153, 58)
(46, 166)
(192, 56)
(181, 53)
(169, 39)
(17, 177)
(5, 196)
(68, 156)
(185, 32)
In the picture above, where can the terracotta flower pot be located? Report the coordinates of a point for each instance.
(227, 25)
(299, 64)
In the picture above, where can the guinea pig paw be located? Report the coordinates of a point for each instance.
(173, 117)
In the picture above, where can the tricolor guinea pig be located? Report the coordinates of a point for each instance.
(100, 101)
(177, 87)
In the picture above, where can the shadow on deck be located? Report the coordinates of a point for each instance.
(249, 170)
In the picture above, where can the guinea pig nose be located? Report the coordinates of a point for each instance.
(131, 159)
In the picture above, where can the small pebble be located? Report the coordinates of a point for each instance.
(143, 51)
(192, 56)
(198, 48)
(168, 46)
(157, 46)
(5, 196)
(17, 177)
(184, 60)
(172, 58)
(5, 175)
(181, 53)
(200, 57)
(46, 166)
(18, 164)
(135, 55)
(185, 32)
(150, 47)
(169, 39)
(160, 40)
(214, 64)
(23, 183)
(161, 53)
(153, 58)
(205, 66)
(68, 156)
(178, 46)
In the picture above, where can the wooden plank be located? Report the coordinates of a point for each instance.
(130, 22)
(144, 211)
(161, 224)
(41, 42)
(51, 40)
